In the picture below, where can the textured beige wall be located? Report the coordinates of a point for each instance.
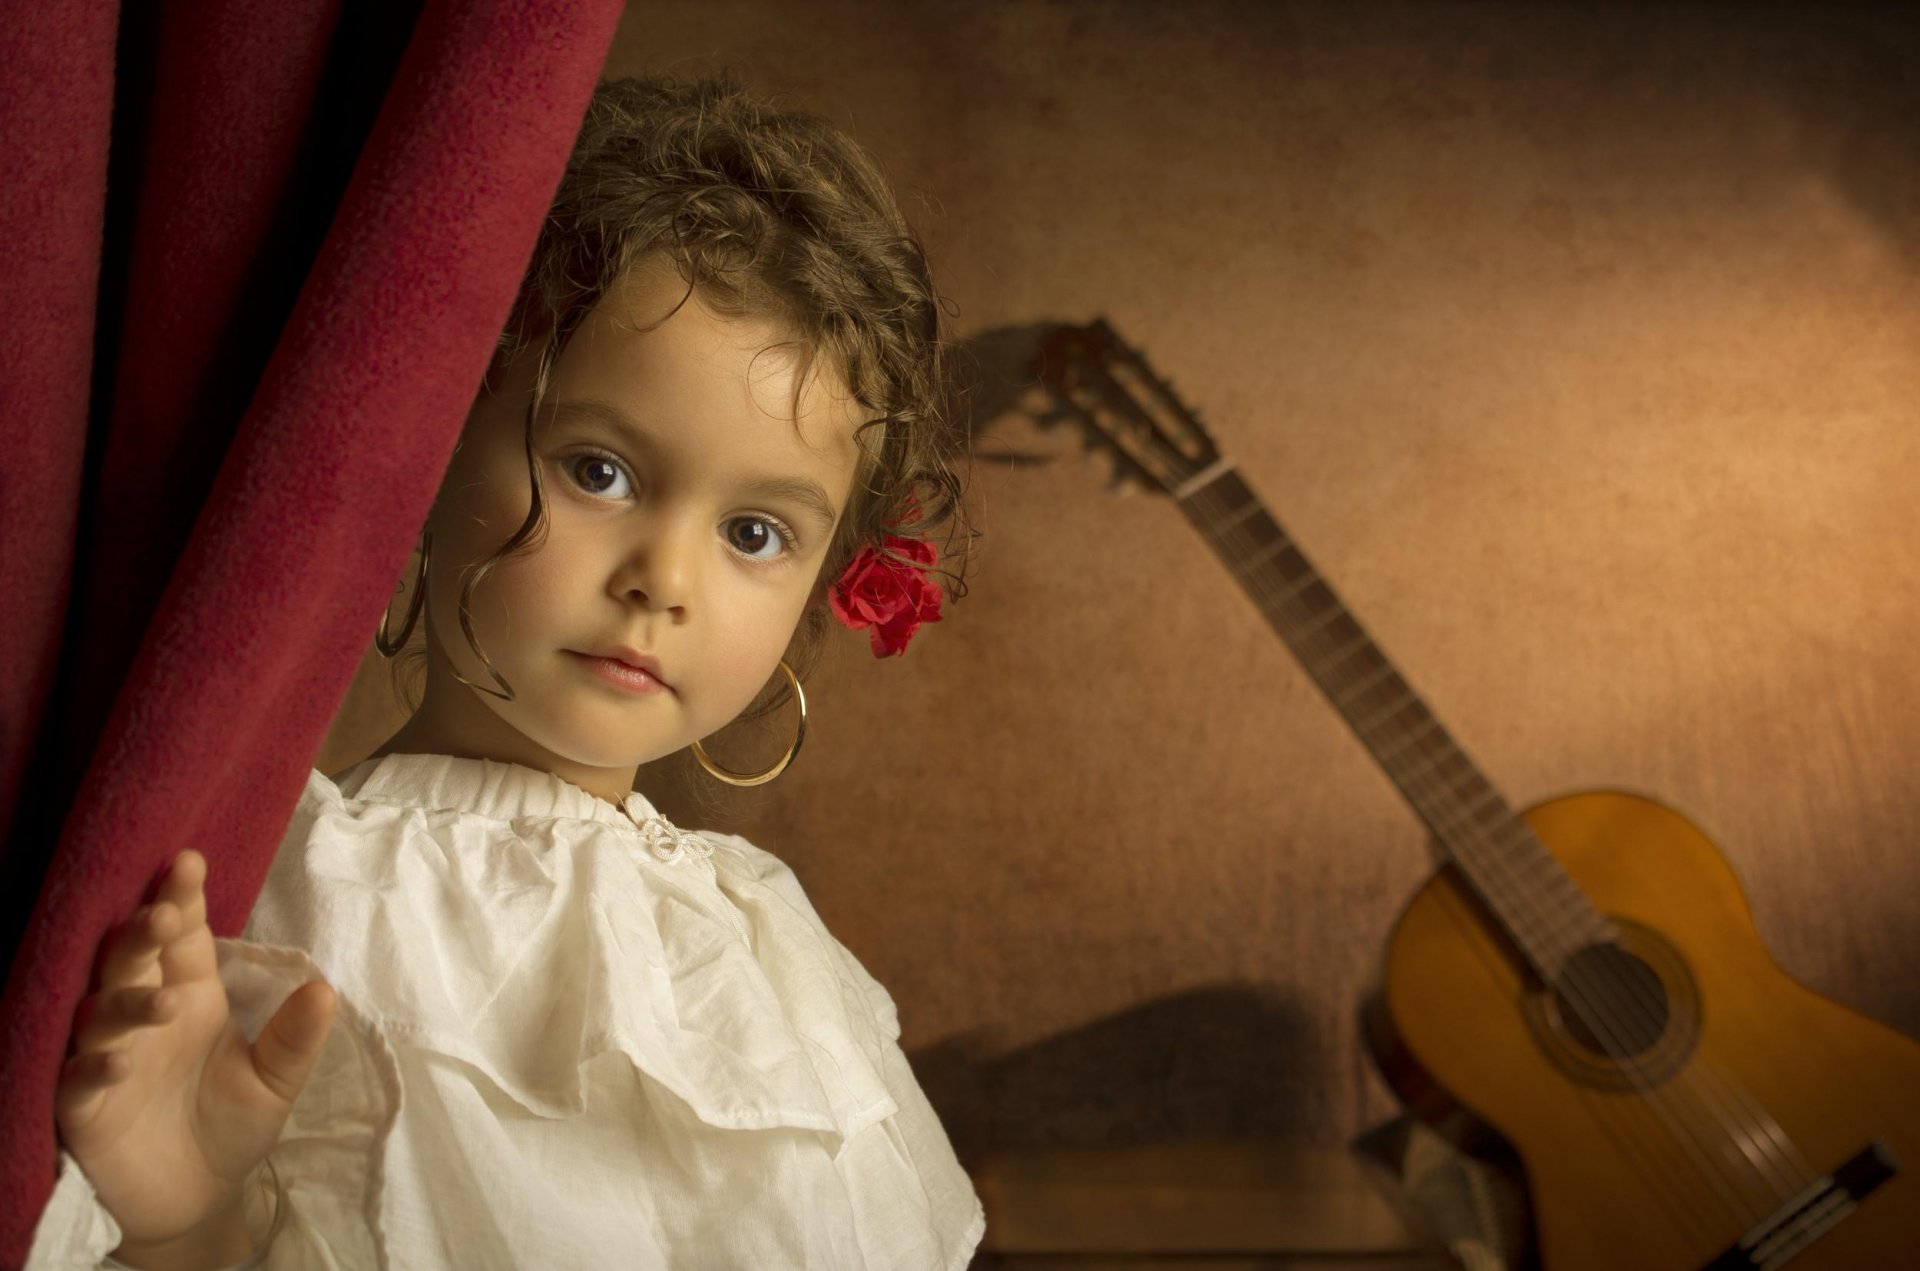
(1576, 343)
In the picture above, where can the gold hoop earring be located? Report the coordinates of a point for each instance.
(388, 646)
(767, 774)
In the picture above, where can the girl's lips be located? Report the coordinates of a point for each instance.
(620, 675)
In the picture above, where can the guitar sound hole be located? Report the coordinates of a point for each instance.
(1611, 1002)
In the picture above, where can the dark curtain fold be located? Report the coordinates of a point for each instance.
(256, 260)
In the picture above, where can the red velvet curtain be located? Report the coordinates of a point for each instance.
(256, 256)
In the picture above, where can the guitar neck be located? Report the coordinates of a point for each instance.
(1542, 910)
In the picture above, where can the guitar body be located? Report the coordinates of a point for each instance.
(1651, 1177)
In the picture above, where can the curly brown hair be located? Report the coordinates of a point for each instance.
(769, 213)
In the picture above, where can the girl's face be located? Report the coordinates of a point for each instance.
(688, 516)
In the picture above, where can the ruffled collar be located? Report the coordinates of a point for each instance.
(509, 792)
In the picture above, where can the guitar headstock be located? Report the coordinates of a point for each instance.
(1109, 390)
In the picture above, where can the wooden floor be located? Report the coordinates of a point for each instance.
(1224, 1206)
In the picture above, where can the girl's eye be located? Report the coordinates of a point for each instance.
(599, 475)
(758, 537)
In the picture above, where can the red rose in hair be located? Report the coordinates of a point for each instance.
(887, 596)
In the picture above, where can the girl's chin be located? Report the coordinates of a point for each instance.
(591, 738)
(595, 752)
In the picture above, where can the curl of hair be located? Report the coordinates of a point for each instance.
(772, 214)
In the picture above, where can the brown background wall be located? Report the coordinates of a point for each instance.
(1576, 343)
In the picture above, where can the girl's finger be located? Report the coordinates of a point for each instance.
(190, 954)
(185, 886)
(130, 952)
(105, 1020)
(290, 1044)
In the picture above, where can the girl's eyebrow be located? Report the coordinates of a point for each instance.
(807, 494)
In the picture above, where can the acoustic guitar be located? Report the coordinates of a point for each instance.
(1582, 978)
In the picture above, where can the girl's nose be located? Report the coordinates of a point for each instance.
(661, 570)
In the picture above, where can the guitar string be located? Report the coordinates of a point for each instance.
(1645, 1144)
(1220, 467)
(1604, 1012)
(1602, 1006)
(1594, 1007)
(1789, 1169)
(1777, 1156)
(1715, 1094)
(1647, 1156)
(1793, 1171)
(1694, 1140)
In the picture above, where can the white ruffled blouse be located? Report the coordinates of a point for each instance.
(570, 1035)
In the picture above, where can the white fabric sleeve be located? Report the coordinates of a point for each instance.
(76, 1233)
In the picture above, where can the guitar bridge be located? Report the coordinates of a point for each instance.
(1825, 1202)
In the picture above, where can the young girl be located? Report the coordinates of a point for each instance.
(503, 1014)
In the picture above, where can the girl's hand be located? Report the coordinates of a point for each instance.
(164, 1104)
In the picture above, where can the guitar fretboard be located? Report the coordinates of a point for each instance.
(1542, 910)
